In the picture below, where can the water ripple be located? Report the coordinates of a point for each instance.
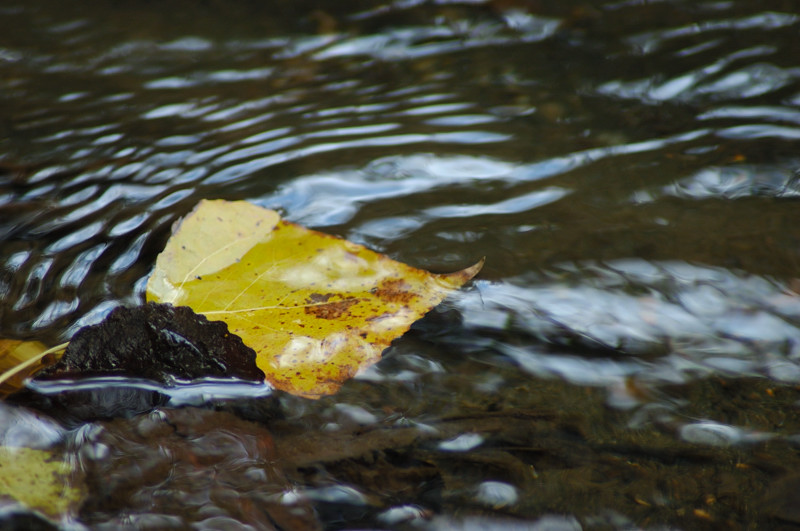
(732, 182)
(520, 203)
(395, 122)
(753, 131)
(704, 321)
(416, 42)
(628, 168)
(652, 41)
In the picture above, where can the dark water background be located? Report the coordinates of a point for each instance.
(628, 358)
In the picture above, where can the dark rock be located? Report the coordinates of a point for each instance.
(131, 362)
(159, 342)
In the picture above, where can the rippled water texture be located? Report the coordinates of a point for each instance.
(629, 169)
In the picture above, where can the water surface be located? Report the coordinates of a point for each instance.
(628, 169)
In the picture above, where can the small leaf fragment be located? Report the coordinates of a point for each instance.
(38, 480)
(18, 360)
(314, 307)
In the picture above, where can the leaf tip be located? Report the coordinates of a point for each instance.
(477, 266)
(467, 274)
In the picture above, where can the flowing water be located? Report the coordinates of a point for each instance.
(628, 358)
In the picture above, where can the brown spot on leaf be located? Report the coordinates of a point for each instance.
(330, 310)
(394, 290)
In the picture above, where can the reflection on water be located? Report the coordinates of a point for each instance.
(699, 316)
(629, 169)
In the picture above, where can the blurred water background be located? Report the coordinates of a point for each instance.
(629, 169)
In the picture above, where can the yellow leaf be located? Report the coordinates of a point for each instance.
(18, 360)
(314, 307)
(38, 481)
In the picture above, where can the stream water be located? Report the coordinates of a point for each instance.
(629, 356)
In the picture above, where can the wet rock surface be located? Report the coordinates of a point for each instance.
(144, 352)
(158, 342)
